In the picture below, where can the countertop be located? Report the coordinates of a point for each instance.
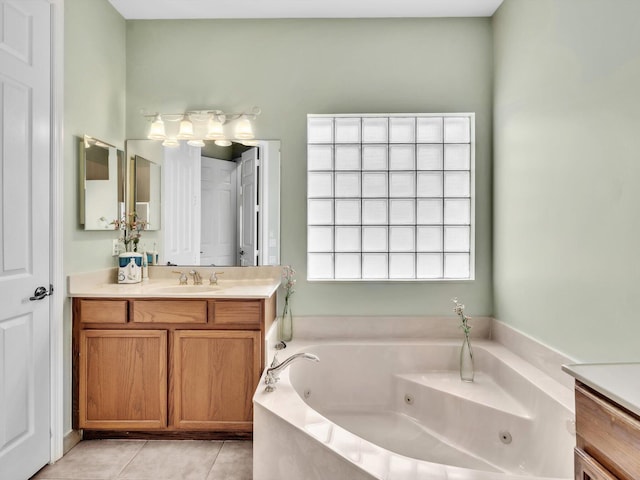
(618, 381)
(235, 282)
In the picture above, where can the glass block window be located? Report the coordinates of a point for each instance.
(390, 197)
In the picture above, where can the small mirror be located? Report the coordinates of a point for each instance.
(102, 184)
(147, 191)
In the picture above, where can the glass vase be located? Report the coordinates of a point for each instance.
(466, 360)
(285, 324)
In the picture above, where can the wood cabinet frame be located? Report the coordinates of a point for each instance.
(241, 320)
(607, 438)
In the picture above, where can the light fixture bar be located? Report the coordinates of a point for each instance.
(194, 122)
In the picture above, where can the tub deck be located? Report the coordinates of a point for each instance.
(398, 410)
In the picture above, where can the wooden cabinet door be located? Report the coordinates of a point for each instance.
(586, 468)
(212, 377)
(123, 379)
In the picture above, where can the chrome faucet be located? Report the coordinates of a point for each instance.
(197, 279)
(273, 372)
(183, 278)
(213, 279)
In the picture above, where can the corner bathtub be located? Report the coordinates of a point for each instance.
(398, 410)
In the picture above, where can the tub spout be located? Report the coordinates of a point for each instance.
(273, 372)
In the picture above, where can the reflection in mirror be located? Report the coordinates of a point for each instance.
(102, 183)
(219, 205)
(146, 194)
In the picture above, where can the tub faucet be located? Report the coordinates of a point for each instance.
(197, 279)
(273, 372)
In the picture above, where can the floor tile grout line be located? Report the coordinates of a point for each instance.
(130, 460)
(215, 459)
(209, 472)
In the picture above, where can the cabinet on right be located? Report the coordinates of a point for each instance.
(211, 373)
(607, 438)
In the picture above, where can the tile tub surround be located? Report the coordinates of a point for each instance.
(541, 356)
(153, 460)
(235, 282)
(387, 327)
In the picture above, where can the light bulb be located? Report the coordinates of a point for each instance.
(215, 129)
(186, 129)
(244, 130)
(157, 131)
(196, 142)
(223, 143)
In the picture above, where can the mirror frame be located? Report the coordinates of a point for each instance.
(104, 220)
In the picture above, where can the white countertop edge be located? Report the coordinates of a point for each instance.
(614, 385)
(238, 282)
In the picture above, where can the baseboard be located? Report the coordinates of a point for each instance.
(71, 439)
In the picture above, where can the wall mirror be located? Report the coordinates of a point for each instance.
(102, 183)
(219, 205)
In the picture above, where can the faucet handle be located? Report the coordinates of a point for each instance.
(213, 279)
(183, 277)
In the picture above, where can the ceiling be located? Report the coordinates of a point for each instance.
(174, 9)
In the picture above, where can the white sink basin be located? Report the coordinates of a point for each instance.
(185, 289)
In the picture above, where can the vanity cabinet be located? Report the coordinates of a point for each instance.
(184, 368)
(124, 379)
(607, 438)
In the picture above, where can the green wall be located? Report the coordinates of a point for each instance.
(294, 67)
(566, 170)
(560, 77)
(94, 91)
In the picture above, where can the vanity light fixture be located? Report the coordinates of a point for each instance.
(89, 141)
(186, 129)
(215, 128)
(244, 130)
(195, 126)
(171, 142)
(157, 129)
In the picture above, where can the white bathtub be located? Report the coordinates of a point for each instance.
(398, 410)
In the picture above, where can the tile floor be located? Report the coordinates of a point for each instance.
(153, 460)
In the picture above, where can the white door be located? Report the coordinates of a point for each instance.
(181, 205)
(219, 212)
(249, 208)
(25, 86)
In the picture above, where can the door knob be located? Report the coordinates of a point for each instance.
(41, 293)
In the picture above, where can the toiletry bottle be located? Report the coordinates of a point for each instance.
(155, 255)
(145, 267)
